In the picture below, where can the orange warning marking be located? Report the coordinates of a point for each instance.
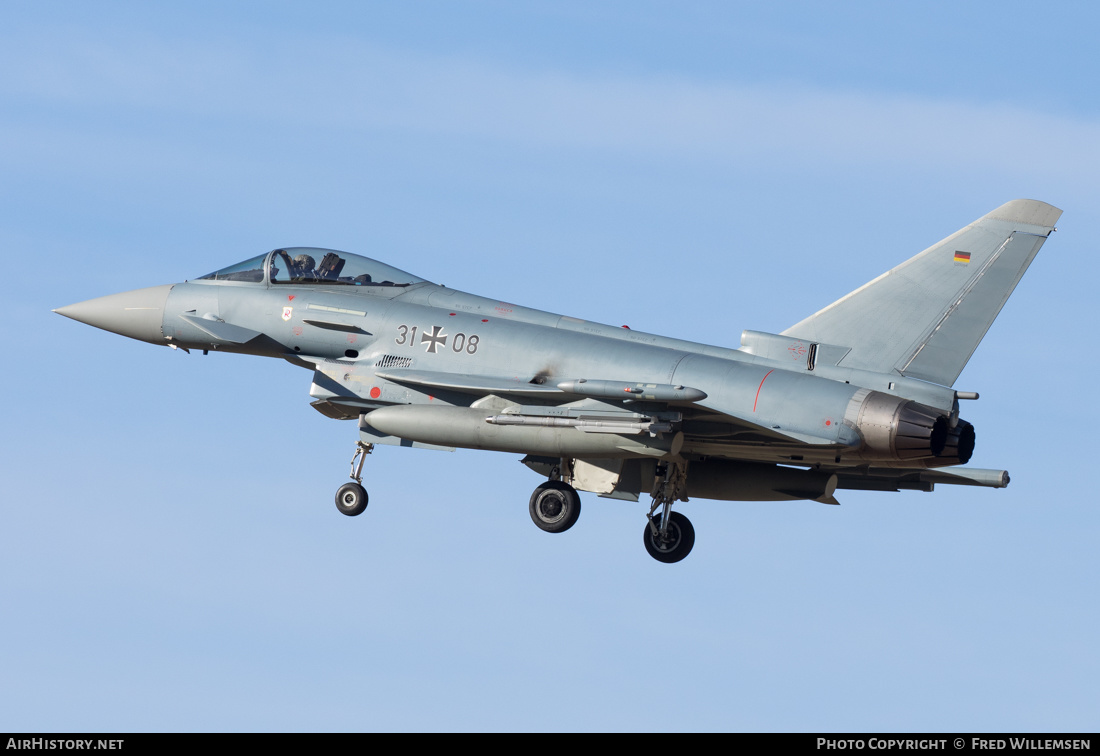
(758, 389)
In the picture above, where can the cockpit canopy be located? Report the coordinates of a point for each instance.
(314, 266)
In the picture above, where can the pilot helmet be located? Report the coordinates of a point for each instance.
(304, 262)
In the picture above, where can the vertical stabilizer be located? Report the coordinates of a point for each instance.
(924, 318)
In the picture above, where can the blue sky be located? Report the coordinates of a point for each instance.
(172, 558)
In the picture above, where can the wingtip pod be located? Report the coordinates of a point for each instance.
(1026, 211)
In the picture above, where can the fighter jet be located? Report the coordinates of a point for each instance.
(856, 396)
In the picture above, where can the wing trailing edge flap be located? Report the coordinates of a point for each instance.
(924, 318)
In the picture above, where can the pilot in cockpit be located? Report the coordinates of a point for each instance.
(304, 267)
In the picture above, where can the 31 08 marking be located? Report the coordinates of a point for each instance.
(435, 339)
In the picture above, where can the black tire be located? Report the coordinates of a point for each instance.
(681, 537)
(351, 499)
(555, 506)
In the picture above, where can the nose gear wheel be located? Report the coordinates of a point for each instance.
(351, 498)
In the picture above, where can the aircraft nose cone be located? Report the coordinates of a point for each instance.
(137, 314)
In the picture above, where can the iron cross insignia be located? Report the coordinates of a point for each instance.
(434, 339)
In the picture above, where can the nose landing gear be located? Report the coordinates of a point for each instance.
(351, 498)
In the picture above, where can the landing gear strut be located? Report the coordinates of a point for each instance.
(555, 505)
(669, 536)
(352, 498)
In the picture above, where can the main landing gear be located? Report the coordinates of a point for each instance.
(352, 498)
(555, 505)
(669, 536)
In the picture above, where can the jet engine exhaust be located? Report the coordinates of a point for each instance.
(959, 446)
(919, 430)
(899, 429)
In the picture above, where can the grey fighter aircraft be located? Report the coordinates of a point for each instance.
(856, 396)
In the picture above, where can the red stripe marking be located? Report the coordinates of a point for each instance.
(758, 389)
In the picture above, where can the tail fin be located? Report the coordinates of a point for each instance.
(924, 318)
